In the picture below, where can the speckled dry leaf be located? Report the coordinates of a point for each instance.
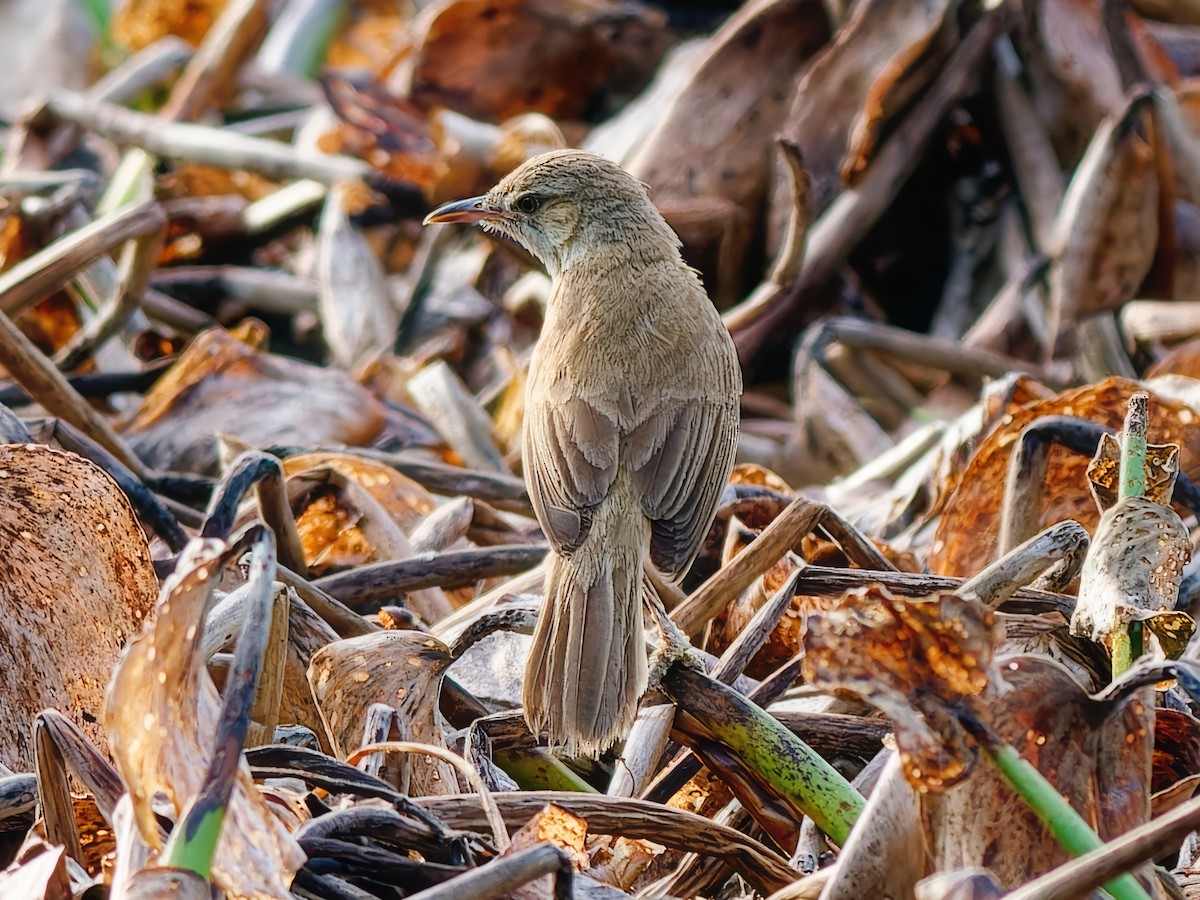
(139, 23)
(77, 584)
(494, 59)
(1104, 471)
(161, 719)
(1071, 66)
(916, 660)
(1088, 751)
(1133, 568)
(621, 861)
(759, 476)
(401, 669)
(328, 524)
(966, 535)
(222, 386)
(881, 39)
(708, 160)
(1107, 225)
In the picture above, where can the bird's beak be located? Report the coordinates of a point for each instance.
(470, 210)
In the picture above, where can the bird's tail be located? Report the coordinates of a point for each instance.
(587, 667)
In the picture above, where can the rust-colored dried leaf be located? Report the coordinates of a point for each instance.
(76, 584)
(494, 59)
(917, 660)
(139, 23)
(1162, 467)
(965, 540)
(222, 386)
(1176, 758)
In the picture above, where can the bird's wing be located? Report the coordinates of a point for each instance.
(570, 457)
(679, 457)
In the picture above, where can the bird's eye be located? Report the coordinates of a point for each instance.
(528, 203)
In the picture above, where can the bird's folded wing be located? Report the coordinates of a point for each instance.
(679, 458)
(570, 452)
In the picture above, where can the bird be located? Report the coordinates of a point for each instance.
(630, 431)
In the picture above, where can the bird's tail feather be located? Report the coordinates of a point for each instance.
(587, 667)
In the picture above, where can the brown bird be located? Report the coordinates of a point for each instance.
(631, 422)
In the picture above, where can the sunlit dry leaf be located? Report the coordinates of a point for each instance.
(621, 861)
(1107, 226)
(917, 660)
(402, 669)
(161, 720)
(560, 828)
(1133, 568)
(77, 583)
(751, 473)
(222, 386)
(965, 540)
(494, 59)
(38, 877)
(139, 23)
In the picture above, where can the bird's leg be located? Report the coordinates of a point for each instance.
(673, 645)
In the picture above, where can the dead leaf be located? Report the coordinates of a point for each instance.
(221, 386)
(77, 584)
(139, 23)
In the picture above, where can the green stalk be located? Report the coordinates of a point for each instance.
(1067, 826)
(197, 842)
(1127, 645)
(797, 773)
(537, 770)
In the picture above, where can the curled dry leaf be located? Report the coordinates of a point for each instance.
(848, 86)
(966, 536)
(161, 720)
(554, 825)
(401, 669)
(918, 661)
(708, 159)
(1133, 568)
(1107, 225)
(223, 386)
(77, 584)
(494, 59)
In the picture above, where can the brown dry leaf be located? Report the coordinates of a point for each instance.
(759, 476)
(966, 535)
(1176, 760)
(1107, 226)
(77, 584)
(494, 59)
(917, 660)
(1162, 467)
(222, 386)
(161, 719)
(1071, 66)
(1182, 360)
(848, 81)
(1090, 753)
(401, 669)
(139, 23)
(375, 34)
(1133, 569)
(707, 161)
(39, 873)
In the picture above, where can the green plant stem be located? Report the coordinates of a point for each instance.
(797, 773)
(1127, 646)
(1067, 826)
(197, 844)
(537, 770)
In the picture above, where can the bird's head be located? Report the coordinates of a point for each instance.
(564, 205)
